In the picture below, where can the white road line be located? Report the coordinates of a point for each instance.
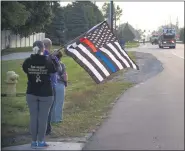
(176, 54)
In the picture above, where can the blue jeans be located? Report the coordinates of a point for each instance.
(48, 130)
(56, 111)
(39, 109)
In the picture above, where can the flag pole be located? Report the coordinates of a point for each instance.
(111, 15)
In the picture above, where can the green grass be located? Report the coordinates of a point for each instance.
(132, 44)
(85, 102)
(23, 49)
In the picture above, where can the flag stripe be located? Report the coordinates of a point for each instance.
(115, 55)
(87, 63)
(112, 57)
(89, 43)
(106, 61)
(115, 65)
(100, 60)
(94, 59)
(99, 54)
(119, 55)
(126, 59)
(91, 61)
(133, 64)
(85, 67)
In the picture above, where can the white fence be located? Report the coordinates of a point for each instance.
(10, 40)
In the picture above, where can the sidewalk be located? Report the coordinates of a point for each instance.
(15, 56)
(53, 146)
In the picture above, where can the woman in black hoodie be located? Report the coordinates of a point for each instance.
(39, 92)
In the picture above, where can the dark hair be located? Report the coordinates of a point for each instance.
(59, 55)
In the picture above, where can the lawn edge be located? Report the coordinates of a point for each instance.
(107, 115)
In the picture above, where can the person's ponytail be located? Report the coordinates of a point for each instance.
(38, 47)
(36, 50)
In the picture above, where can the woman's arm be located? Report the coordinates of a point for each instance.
(51, 66)
(64, 74)
(60, 69)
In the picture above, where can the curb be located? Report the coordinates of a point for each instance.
(90, 135)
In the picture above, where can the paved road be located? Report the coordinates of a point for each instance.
(149, 116)
(179, 52)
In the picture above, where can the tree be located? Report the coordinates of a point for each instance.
(41, 16)
(98, 14)
(117, 14)
(94, 15)
(26, 17)
(137, 33)
(76, 20)
(56, 30)
(13, 14)
(79, 17)
(126, 33)
(116, 11)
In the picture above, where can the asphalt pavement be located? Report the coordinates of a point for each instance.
(150, 115)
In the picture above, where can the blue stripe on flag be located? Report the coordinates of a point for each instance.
(106, 60)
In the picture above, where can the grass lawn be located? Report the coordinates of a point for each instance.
(132, 44)
(85, 103)
(23, 49)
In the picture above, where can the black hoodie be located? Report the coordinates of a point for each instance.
(38, 69)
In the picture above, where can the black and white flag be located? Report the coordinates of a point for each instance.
(99, 53)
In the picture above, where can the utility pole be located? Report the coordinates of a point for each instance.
(177, 24)
(170, 22)
(115, 20)
(111, 15)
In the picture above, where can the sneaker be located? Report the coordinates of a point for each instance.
(34, 145)
(42, 144)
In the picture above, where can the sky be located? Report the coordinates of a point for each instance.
(148, 15)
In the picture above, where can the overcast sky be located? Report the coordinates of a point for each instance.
(149, 15)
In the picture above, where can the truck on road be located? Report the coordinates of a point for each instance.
(167, 38)
(154, 39)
